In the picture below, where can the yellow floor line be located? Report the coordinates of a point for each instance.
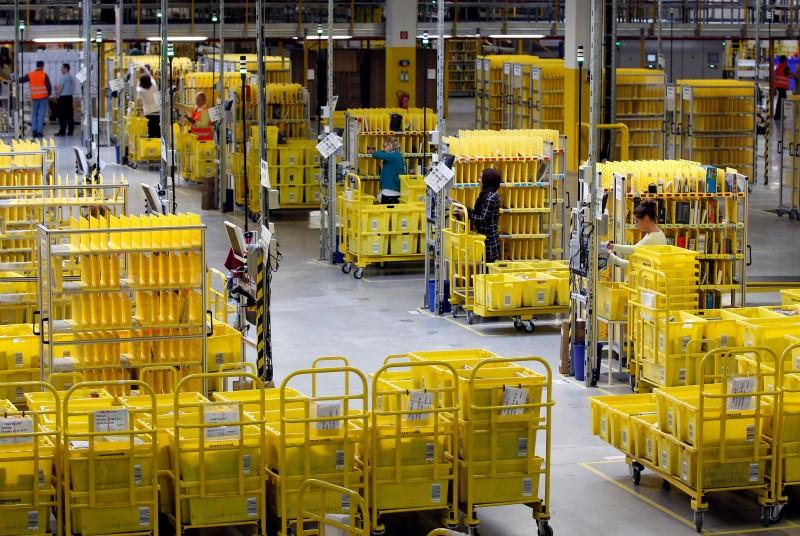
(368, 280)
(782, 525)
(646, 500)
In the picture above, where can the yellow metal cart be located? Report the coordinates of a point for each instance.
(355, 522)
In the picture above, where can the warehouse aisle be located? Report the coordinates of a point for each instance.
(369, 319)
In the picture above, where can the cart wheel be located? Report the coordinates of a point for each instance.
(636, 473)
(346, 268)
(470, 317)
(359, 273)
(666, 486)
(791, 215)
(472, 531)
(545, 529)
(698, 521)
(632, 382)
(795, 214)
(133, 165)
(771, 514)
(518, 323)
(529, 326)
(454, 311)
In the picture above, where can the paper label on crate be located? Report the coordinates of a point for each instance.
(33, 520)
(81, 75)
(111, 420)
(329, 145)
(41, 478)
(690, 431)
(536, 74)
(624, 438)
(670, 420)
(436, 493)
(648, 298)
(439, 176)
(328, 409)
(522, 447)
(506, 68)
(750, 434)
(219, 359)
(116, 84)
(540, 295)
(687, 93)
(517, 70)
(265, 174)
(603, 424)
(507, 300)
(418, 401)
(685, 470)
(215, 114)
(682, 377)
(664, 459)
(487, 65)
(18, 359)
(723, 341)
(339, 460)
(16, 425)
(376, 248)
(754, 472)
(144, 516)
(514, 396)
(741, 385)
(137, 474)
(345, 503)
(164, 150)
(648, 445)
(252, 506)
(527, 487)
(685, 343)
(218, 417)
(430, 452)
(246, 464)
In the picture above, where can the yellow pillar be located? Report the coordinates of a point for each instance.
(401, 51)
(577, 33)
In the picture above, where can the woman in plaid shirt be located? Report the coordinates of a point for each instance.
(486, 213)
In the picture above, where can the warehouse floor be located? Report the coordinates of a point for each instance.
(317, 310)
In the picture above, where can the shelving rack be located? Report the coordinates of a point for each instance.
(22, 207)
(789, 151)
(369, 127)
(701, 208)
(493, 98)
(714, 122)
(640, 98)
(138, 300)
(460, 66)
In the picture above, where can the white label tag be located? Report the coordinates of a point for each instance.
(16, 425)
(252, 507)
(527, 487)
(514, 396)
(517, 70)
(328, 409)
(265, 174)
(33, 520)
(81, 75)
(687, 93)
(144, 516)
(540, 296)
(624, 438)
(246, 464)
(417, 401)
(345, 502)
(329, 145)
(664, 459)
(218, 418)
(111, 420)
(522, 447)
(436, 493)
(429, 452)
(18, 361)
(536, 74)
(137, 475)
(685, 471)
(755, 471)
(215, 114)
(506, 68)
(219, 359)
(648, 446)
(339, 462)
(116, 84)
(164, 151)
(742, 385)
(41, 478)
(750, 434)
(723, 341)
(439, 176)
(669, 420)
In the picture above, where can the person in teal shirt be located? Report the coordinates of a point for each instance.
(393, 167)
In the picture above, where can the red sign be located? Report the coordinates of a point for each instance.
(403, 35)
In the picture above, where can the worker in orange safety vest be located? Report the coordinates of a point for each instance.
(780, 84)
(40, 89)
(202, 127)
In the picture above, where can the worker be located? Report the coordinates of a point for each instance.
(40, 89)
(64, 90)
(393, 167)
(644, 219)
(780, 84)
(151, 103)
(200, 119)
(485, 215)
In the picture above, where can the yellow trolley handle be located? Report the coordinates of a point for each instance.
(784, 451)
(329, 360)
(65, 380)
(172, 371)
(358, 515)
(242, 366)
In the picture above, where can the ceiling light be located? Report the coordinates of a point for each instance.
(180, 38)
(516, 36)
(58, 40)
(325, 37)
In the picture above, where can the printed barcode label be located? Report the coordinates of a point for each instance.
(508, 300)
(624, 438)
(246, 464)
(376, 248)
(682, 376)
(339, 459)
(527, 487)
(750, 434)
(741, 385)
(252, 507)
(18, 359)
(540, 296)
(723, 341)
(685, 343)
(219, 359)
(33, 520)
(603, 424)
(19, 393)
(404, 224)
(649, 447)
(797, 363)
(691, 431)
(522, 447)
(218, 428)
(41, 478)
(21, 426)
(375, 225)
(324, 410)
(754, 472)
(405, 247)
(111, 420)
(663, 376)
(514, 396)
(144, 516)
(664, 459)
(429, 452)
(345, 502)
(137, 475)
(660, 342)
(419, 400)
(685, 471)
(436, 493)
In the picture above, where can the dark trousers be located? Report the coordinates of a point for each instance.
(154, 126)
(779, 108)
(66, 117)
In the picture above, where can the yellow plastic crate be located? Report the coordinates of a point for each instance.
(740, 468)
(611, 417)
(224, 346)
(84, 398)
(313, 174)
(373, 245)
(249, 399)
(504, 489)
(770, 332)
(412, 189)
(204, 150)
(375, 219)
(313, 195)
(790, 296)
(538, 289)
(292, 156)
(668, 453)
(675, 335)
(645, 433)
(406, 220)
(292, 175)
(148, 149)
(561, 286)
(290, 195)
(203, 168)
(612, 300)
(404, 244)
(499, 291)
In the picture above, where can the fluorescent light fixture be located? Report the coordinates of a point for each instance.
(58, 40)
(181, 39)
(325, 37)
(516, 36)
(435, 36)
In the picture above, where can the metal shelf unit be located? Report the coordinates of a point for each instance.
(640, 98)
(533, 90)
(789, 151)
(460, 55)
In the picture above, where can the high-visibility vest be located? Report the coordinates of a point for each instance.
(782, 80)
(202, 133)
(36, 79)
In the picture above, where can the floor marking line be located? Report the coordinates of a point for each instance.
(570, 380)
(368, 280)
(644, 499)
(468, 328)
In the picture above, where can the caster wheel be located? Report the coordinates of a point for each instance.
(698, 521)
(632, 382)
(545, 529)
(529, 326)
(470, 317)
(792, 216)
(771, 514)
(472, 531)
(665, 485)
(518, 324)
(346, 268)
(359, 273)
(636, 473)
(795, 214)
(133, 165)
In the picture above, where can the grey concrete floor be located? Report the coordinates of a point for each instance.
(317, 310)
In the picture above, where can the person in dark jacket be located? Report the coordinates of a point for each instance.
(393, 167)
(485, 215)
